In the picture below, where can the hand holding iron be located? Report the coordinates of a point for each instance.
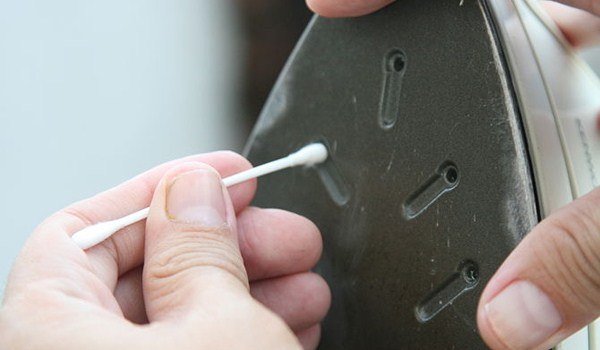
(579, 22)
(549, 287)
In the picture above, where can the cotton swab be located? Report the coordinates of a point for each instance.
(308, 155)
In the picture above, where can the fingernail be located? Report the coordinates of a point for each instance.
(196, 197)
(523, 316)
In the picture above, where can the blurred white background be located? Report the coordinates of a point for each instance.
(95, 92)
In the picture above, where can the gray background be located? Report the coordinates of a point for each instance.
(95, 92)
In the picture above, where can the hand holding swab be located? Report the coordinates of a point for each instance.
(308, 155)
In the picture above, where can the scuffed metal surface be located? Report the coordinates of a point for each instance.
(456, 106)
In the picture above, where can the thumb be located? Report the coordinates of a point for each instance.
(549, 287)
(191, 254)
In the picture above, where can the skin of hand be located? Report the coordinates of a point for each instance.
(581, 28)
(205, 271)
(549, 286)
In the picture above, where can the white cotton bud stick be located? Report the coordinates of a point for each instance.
(308, 155)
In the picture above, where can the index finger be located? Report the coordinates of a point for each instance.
(592, 6)
(580, 27)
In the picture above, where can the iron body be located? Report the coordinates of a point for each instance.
(441, 128)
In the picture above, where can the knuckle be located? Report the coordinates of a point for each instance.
(195, 252)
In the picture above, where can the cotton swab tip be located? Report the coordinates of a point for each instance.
(312, 154)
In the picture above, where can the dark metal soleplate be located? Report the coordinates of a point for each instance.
(428, 186)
